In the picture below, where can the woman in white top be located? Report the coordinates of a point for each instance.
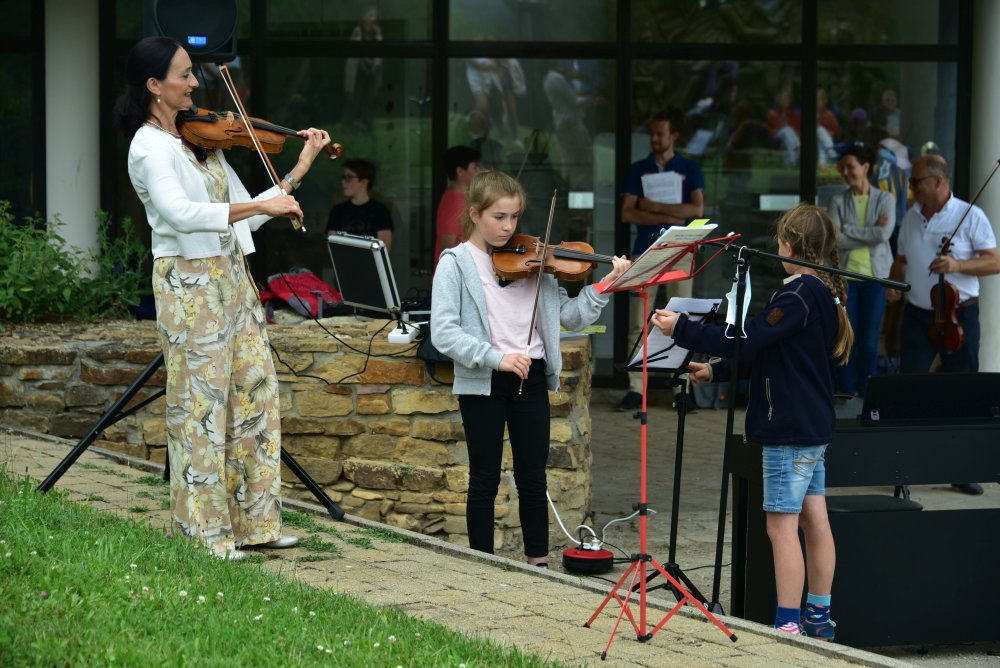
(223, 427)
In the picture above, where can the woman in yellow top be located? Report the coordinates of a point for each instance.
(865, 217)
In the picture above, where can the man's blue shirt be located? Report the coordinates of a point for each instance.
(693, 180)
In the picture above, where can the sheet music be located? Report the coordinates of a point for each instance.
(671, 244)
(664, 353)
(663, 187)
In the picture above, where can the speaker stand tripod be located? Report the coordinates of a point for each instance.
(116, 413)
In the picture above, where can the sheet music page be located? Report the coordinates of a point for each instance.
(672, 243)
(664, 353)
(663, 187)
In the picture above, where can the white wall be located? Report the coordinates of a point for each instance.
(985, 153)
(72, 147)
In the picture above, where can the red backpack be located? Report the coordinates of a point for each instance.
(303, 291)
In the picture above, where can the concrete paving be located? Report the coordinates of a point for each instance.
(498, 598)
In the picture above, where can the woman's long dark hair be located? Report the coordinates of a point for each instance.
(150, 57)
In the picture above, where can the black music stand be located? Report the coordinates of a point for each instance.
(116, 414)
(676, 365)
(659, 264)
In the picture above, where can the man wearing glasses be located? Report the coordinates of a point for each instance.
(935, 214)
(360, 215)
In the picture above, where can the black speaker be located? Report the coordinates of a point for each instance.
(206, 30)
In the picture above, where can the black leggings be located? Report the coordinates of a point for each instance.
(526, 416)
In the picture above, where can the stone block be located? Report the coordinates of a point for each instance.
(416, 497)
(401, 521)
(455, 525)
(310, 445)
(344, 427)
(438, 429)
(158, 455)
(457, 479)
(374, 404)
(109, 375)
(323, 404)
(561, 457)
(380, 475)
(320, 469)
(78, 394)
(407, 401)
(25, 420)
(11, 393)
(392, 372)
(458, 454)
(369, 446)
(419, 508)
(560, 431)
(45, 402)
(419, 452)
(297, 425)
(70, 425)
(154, 431)
(391, 427)
(340, 369)
(28, 354)
(296, 362)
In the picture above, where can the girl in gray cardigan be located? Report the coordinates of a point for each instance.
(865, 218)
(502, 379)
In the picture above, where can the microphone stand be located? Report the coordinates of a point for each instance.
(741, 257)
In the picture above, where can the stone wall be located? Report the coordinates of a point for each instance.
(375, 431)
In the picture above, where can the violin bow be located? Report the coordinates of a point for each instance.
(271, 173)
(946, 242)
(538, 283)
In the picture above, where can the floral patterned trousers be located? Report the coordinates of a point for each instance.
(222, 416)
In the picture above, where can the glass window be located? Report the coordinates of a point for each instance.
(379, 110)
(901, 110)
(16, 18)
(134, 22)
(551, 124)
(16, 115)
(718, 21)
(359, 20)
(742, 126)
(534, 20)
(893, 22)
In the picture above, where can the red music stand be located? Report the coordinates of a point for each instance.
(659, 264)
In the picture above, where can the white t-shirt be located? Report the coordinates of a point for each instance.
(920, 240)
(508, 309)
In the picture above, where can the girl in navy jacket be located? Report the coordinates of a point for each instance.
(790, 410)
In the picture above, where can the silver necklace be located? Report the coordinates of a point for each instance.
(156, 124)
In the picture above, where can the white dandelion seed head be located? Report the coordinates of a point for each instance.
(312, 614)
(133, 566)
(267, 599)
(218, 595)
(201, 599)
(182, 593)
(258, 618)
(392, 638)
(377, 645)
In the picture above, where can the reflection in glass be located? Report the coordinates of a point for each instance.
(394, 136)
(902, 110)
(718, 21)
(398, 20)
(533, 20)
(743, 123)
(866, 22)
(16, 117)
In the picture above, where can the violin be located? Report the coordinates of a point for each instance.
(946, 332)
(520, 258)
(214, 130)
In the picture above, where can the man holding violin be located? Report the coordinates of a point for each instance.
(935, 217)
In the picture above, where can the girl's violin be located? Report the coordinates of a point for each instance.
(214, 130)
(520, 258)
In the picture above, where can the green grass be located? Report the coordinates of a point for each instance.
(82, 587)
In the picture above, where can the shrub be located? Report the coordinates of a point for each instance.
(42, 278)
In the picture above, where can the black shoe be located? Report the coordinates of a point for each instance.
(973, 488)
(630, 402)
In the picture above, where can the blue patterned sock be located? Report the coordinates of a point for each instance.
(817, 609)
(784, 615)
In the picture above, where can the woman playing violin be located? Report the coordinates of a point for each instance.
(483, 325)
(223, 428)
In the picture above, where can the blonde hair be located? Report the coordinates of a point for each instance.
(486, 188)
(810, 233)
